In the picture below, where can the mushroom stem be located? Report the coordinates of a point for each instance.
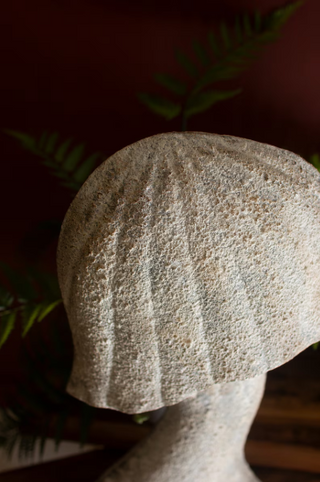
(200, 439)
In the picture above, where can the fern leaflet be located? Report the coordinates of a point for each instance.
(226, 56)
(65, 159)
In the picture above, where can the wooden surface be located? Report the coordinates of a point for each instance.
(81, 468)
(275, 475)
(87, 467)
(283, 456)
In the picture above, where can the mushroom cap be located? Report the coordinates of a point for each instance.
(185, 260)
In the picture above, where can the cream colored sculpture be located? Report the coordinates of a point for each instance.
(189, 265)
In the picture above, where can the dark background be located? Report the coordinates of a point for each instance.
(76, 67)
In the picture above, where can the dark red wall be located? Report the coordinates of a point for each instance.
(76, 66)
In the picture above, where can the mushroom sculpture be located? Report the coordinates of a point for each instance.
(189, 265)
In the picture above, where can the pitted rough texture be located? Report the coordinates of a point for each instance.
(188, 259)
(198, 440)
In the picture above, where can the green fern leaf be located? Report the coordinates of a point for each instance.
(7, 322)
(219, 72)
(62, 175)
(171, 83)
(315, 161)
(47, 283)
(247, 25)
(86, 168)
(239, 47)
(62, 150)
(74, 186)
(202, 101)
(40, 381)
(73, 159)
(201, 53)
(238, 31)
(226, 37)
(214, 44)
(6, 298)
(51, 164)
(161, 106)
(26, 141)
(21, 284)
(29, 316)
(46, 309)
(31, 401)
(280, 16)
(240, 56)
(42, 140)
(186, 63)
(51, 143)
(62, 163)
(140, 418)
(257, 22)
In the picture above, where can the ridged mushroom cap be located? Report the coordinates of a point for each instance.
(185, 260)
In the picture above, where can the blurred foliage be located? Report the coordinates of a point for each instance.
(41, 406)
(315, 161)
(140, 418)
(225, 56)
(30, 295)
(65, 159)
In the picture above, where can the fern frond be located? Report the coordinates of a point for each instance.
(250, 43)
(214, 45)
(29, 316)
(257, 21)
(140, 418)
(315, 161)
(6, 298)
(47, 307)
(171, 83)
(72, 160)
(7, 321)
(247, 25)
(33, 295)
(202, 101)
(21, 285)
(280, 16)
(226, 36)
(233, 51)
(38, 378)
(186, 63)
(65, 159)
(201, 53)
(51, 142)
(161, 106)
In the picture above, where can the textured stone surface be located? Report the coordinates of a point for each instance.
(198, 440)
(189, 259)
